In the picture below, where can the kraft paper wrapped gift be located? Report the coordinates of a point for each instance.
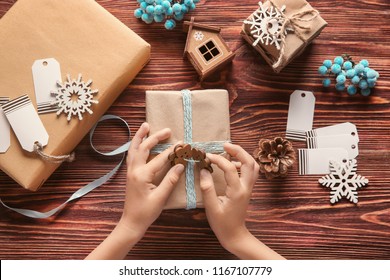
(305, 25)
(210, 122)
(84, 38)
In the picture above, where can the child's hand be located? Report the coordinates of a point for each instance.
(144, 200)
(226, 214)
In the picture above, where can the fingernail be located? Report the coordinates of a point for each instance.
(179, 168)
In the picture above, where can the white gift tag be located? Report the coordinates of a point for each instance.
(338, 129)
(5, 131)
(316, 161)
(46, 74)
(26, 123)
(300, 115)
(346, 141)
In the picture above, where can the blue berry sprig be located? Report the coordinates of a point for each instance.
(169, 11)
(349, 75)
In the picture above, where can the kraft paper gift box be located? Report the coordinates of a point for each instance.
(210, 122)
(301, 14)
(84, 38)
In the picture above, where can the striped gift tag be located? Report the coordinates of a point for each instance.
(5, 134)
(300, 115)
(46, 74)
(26, 123)
(316, 161)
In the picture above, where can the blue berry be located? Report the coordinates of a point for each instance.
(170, 24)
(188, 2)
(364, 62)
(341, 79)
(327, 63)
(339, 60)
(359, 68)
(355, 80)
(192, 7)
(159, 18)
(143, 5)
(158, 2)
(340, 87)
(371, 83)
(140, 1)
(347, 65)
(184, 8)
(169, 11)
(351, 73)
(371, 74)
(322, 70)
(351, 90)
(176, 8)
(363, 84)
(158, 10)
(149, 1)
(326, 82)
(138, 13)
(196, 1)
(166, 4)
(365, 92)
(150, 9)
(336, 68)
(179, 16)
(147, 18)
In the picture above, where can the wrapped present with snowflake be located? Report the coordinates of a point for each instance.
(280, 30)
(96, 65)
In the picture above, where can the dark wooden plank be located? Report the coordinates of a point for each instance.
(293, 216)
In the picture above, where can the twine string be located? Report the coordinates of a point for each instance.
(38, 149)
(296, 22)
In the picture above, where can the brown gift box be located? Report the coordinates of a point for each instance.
(84, 38)
(294, 45)
(210, 122)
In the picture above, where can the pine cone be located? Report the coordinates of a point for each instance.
(275, 157)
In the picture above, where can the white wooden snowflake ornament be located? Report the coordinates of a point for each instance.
(266, 24)
(74, 97)
(343, 181)
(198, 36)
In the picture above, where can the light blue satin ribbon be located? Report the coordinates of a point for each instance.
(91, 186)
(209, 147)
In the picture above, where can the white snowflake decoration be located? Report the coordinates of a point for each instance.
(74, 97)
(266, 24)
(198, 36)
(343, 181)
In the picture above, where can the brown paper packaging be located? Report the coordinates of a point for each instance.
(84, 38)
(211, 122)
(294, 45)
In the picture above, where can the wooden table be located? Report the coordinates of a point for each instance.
(292, 215)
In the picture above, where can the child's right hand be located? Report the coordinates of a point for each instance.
(226, 214)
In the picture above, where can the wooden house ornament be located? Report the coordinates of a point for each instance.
(205, 48)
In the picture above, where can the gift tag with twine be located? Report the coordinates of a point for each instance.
(5, 137)
(29, 128)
